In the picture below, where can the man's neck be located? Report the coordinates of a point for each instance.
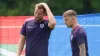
(39, 20)
(74, 26)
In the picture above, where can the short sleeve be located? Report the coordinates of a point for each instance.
(23, 29)
(80, 37)
(46, 25)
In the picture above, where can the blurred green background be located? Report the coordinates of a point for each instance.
(26, 7)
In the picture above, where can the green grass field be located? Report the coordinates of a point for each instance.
(8, 49)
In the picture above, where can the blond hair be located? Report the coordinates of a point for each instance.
(40, 6)
(70, 13)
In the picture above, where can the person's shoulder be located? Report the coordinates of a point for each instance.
(29, 19)
(46, 21)
(81, 30)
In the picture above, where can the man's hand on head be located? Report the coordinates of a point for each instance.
(45, 6)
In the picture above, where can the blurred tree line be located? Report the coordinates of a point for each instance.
(26, 7)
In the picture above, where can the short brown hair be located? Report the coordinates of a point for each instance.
(40, 6)
(70, 13)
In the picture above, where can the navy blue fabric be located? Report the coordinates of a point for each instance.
(37, 36)
(78, 37)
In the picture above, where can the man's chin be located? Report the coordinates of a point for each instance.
(69, 26)
(39, 20)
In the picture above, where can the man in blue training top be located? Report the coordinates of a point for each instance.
(36, 32)
(78, 36)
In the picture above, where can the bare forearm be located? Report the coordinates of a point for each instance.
(82, 50)
(50, 16)
(52, 21)
(82, 53)
(20, 46)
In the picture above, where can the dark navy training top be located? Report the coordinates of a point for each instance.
(37, 35)
(78, 36)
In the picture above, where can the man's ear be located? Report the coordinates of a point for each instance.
(72, 19)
